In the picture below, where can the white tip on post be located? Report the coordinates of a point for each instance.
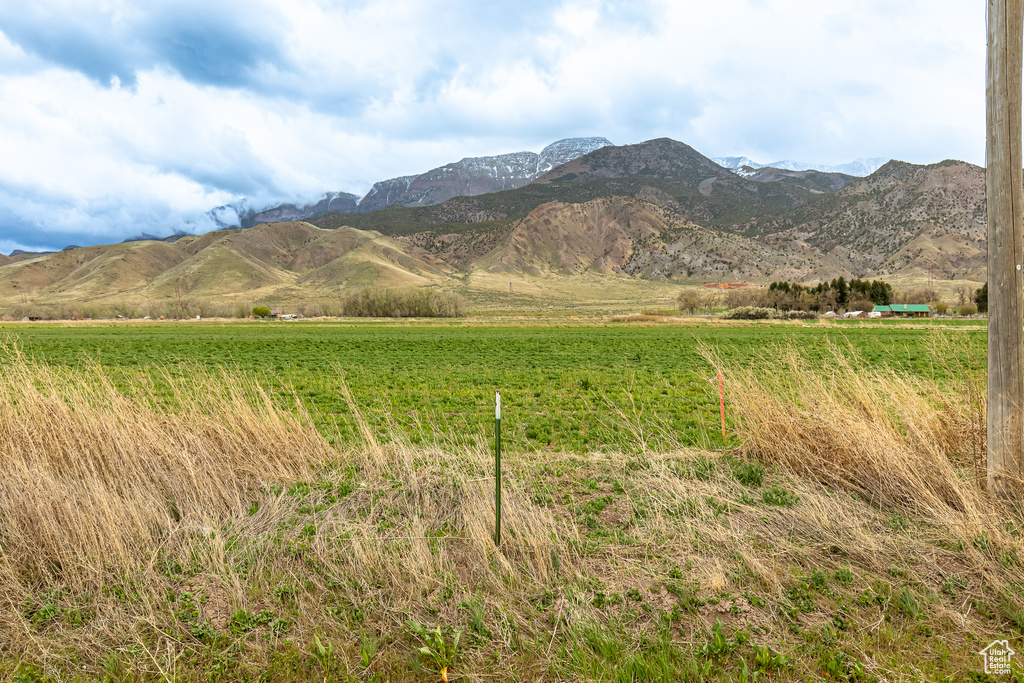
(497, 405)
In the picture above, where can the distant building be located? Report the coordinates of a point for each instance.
(909, 309)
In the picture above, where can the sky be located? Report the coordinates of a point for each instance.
(120, 118)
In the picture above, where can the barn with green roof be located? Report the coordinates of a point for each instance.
(912, 310)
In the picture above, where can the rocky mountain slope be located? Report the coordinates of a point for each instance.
(625, 236)
(469, 177)
(476, 175)
(931, 219)
(663, 171)
(903, 219)
(657, 211)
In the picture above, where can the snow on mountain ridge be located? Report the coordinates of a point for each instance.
(466, 177)
(858, 167)
(473, 176)
(564, 151)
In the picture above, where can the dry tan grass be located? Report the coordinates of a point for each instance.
(348, 544)
(114, 500)
(100, 485)
(903, 444)
(94, 479)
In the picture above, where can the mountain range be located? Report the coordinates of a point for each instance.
(469, 177)
(657, 212)
(473, 176)
(857, 167)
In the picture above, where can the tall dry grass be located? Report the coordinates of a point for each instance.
(894, 438)
(904, 443)
(95, 478)
(117, 496)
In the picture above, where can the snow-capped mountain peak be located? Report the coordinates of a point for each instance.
(857, 167)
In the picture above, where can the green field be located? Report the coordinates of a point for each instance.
(565, 386)
(189, 529)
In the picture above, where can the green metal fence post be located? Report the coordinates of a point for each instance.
(497, 468)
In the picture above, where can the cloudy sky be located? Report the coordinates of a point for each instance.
(119, 118)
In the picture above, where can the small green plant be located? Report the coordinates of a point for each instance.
(367, 649)
(800, 600)
(749, 473)
(777, 495)
(436, 649)
(261, 312)
(1014, 613)
(843, 667)
(717, 508)
(324, 653)
(285, 592)
(844, 576)
(957, 546)
(981, 608)
(766, 660)
(719, 645)
(477, 617)
(907, 604)
(243, 621)
(899, 523)
(703, 468)
(113, 668)
(842, 621)
(753, 599)
(953, 584)
(27, 674)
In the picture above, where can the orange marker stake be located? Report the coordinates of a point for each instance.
(721, 400)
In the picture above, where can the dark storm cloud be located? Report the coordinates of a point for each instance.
(215, 44)
(17, 232)
(36, 219)
(87, 43)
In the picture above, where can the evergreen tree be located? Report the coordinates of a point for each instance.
(981, 298)
(843, 292)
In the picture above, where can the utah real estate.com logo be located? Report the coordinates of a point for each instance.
(997, 657)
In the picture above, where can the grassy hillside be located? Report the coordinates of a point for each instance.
(295, 262)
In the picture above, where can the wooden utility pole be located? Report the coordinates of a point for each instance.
(1005, 193)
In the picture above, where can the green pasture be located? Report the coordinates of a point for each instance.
(564, 385)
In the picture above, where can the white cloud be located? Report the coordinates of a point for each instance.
(344, 94)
